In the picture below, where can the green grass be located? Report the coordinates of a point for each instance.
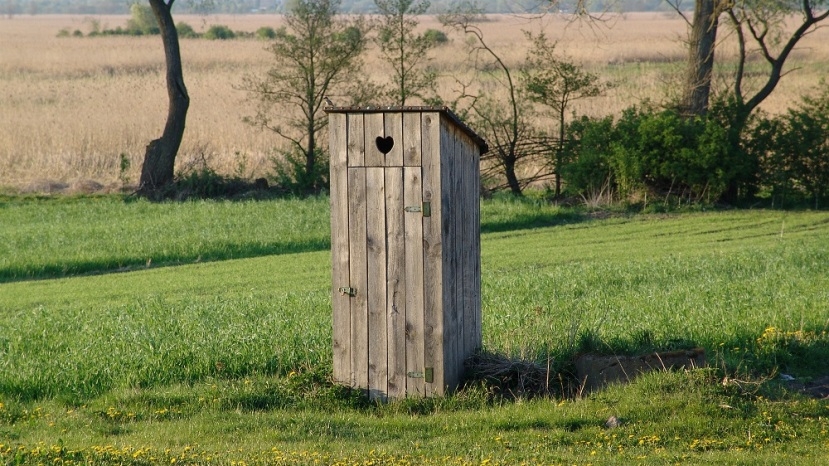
(55, 237)
(228, 358)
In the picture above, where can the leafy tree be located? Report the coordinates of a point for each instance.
(405, 50)
(315, 54)
(556, 83)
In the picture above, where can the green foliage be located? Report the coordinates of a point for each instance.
(142, 20)
(586, 164)
(435, 36)
(794, 152)
(265, 33)
(659, 152)
(291, 172)
(555, 82)
(124, 166)
(667, 153)
(185, 31)
(219, 32)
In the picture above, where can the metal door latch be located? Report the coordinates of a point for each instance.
(347, 290)
(429, 375)
(426, 208)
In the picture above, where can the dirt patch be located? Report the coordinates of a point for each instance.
(595, 371)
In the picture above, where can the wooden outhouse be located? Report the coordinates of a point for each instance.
(405, 243)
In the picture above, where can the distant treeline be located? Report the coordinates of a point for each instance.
(103, 7)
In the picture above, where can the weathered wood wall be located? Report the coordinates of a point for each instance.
(406, 279)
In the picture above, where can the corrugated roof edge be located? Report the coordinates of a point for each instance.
(443, 110)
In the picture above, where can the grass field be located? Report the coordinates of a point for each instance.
(73, 108)
(199, 333)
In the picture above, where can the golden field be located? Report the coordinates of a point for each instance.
(70, 107)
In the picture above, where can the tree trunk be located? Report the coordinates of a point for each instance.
(512, 178)
(160, 156)
(701, 58)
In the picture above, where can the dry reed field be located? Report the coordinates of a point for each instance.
(72, 108)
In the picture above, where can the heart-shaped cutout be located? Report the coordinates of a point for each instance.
(384, 144)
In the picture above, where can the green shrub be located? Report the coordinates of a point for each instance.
(219, 32)
(290, 173)
(265, 33)
(587, 169)
(659, 152)
(793, 150)
(142, 20)
(435, 37)
(186, 31)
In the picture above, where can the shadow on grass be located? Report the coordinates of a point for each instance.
(500, 215)
(531, 220)
(776, 364)
(219, 252)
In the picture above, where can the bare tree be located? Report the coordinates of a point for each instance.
(514, 142)
(157, 170)
(760, 28)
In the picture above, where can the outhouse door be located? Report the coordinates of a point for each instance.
(405, 250)
(378, 252)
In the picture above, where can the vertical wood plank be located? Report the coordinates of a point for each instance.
(432, 256)
(449, 225)
(340, 276)
(476, 192)
(374, 128)
(396, 290)
(356, 140)
(376, 255)
(359, 275)
(411, 139)
(393, 123)
(412, 196)
(457, 264)
(468, 198)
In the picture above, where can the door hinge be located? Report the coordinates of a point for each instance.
(347, 290)
(425, 208)
(428, 374)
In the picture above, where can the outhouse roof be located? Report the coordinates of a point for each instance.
(416, 109)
